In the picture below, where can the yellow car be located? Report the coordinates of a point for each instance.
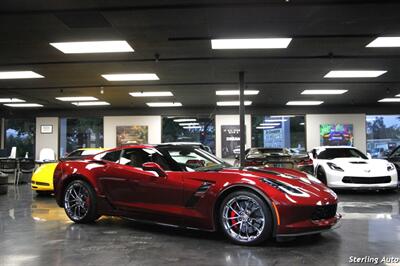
(42, 178)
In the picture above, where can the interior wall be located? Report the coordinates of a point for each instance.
(313, 123)
(111, 123)
(46, 140)
(230, 120)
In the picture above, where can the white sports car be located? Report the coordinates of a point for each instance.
(347, 167)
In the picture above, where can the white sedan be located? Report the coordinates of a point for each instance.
(347, 167)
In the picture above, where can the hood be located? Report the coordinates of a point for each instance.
(359, 162)
(290, 177)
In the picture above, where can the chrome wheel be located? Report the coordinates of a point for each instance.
(77, 201)
(243, 218)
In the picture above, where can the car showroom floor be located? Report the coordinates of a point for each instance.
(34, 231)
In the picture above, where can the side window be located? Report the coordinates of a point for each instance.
(112, 156)
(396, 153)
(137, 157)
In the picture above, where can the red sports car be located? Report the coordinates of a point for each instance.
(189, 187)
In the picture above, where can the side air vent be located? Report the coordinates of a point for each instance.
(192, 201)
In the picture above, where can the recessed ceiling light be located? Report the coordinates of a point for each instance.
(275, 120)
(282, 116)
(232, 103)
(189, 124)
(98, 103)
(354, 73)
(389, 100)
(258, 43)
(304, 102)
(77, 98)
(130, 76)
(11, 100)
(164, 104)
(19, 75)
(195, 127)
(270, 124)
(324, 92)
(385, 42)
(236, 92)
(151, 94)
(185, 120)
(23, 105)
(264, 127)
(92, 47)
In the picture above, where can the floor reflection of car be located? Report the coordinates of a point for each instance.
(187, 186)
(277, 157)
(386, 209)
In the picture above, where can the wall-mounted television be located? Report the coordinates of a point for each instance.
(336, 134)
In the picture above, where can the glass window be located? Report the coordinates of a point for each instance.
(184, 129)
(279, 132)
(78, 133)
(112, 156)
(383, 134)
(137, 157)
(20, 133)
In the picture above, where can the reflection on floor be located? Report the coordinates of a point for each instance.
(34, 231)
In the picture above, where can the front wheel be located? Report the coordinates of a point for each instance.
(245, 218)
(80, 202)
(321, 175)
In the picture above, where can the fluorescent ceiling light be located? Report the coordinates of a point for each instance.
(151, 94)
(354, 73)
(185, 120)
(264, 127)
(270, 124)
(189, 124)
(259, 43)
(92, 47)
(385, 42)
(397, 95)
(164, 104)
(301, 124)
(236, 92)
(11, 100)
(23, 105)
(130, 76)
(90, 103)
(389, 100)
(304, 102)
(195, 127)
(275, 120)
(324, 92)
(282, 116)
(19, 75)
(76, 98)
(233, 103)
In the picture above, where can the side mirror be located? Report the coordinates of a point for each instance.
(369, 155)
(150, 166)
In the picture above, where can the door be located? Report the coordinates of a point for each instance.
(144, 192)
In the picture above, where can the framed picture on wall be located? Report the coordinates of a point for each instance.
(46, 129)
(132, 135)
(336, 135)
(230, 142)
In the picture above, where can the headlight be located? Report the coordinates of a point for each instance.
(390, 167)
(284, 187)
(314, 179)
(335, 167)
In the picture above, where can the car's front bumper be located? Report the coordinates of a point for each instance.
(335, 180)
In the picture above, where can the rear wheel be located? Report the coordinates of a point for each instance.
(80, 202)
(245, 218)
(321, 175)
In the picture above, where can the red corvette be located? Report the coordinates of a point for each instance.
(188, 187)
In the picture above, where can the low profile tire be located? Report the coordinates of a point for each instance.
(3, 189)
(321, 175)
(80, 202)
(245, 218)
(43, 193)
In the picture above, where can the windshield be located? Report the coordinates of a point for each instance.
(333, 153)
(194, 158)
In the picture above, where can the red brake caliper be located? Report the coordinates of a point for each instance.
(233, 221)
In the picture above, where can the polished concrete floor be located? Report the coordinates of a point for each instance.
(34, 231)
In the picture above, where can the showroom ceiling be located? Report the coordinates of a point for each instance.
(172, 39)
